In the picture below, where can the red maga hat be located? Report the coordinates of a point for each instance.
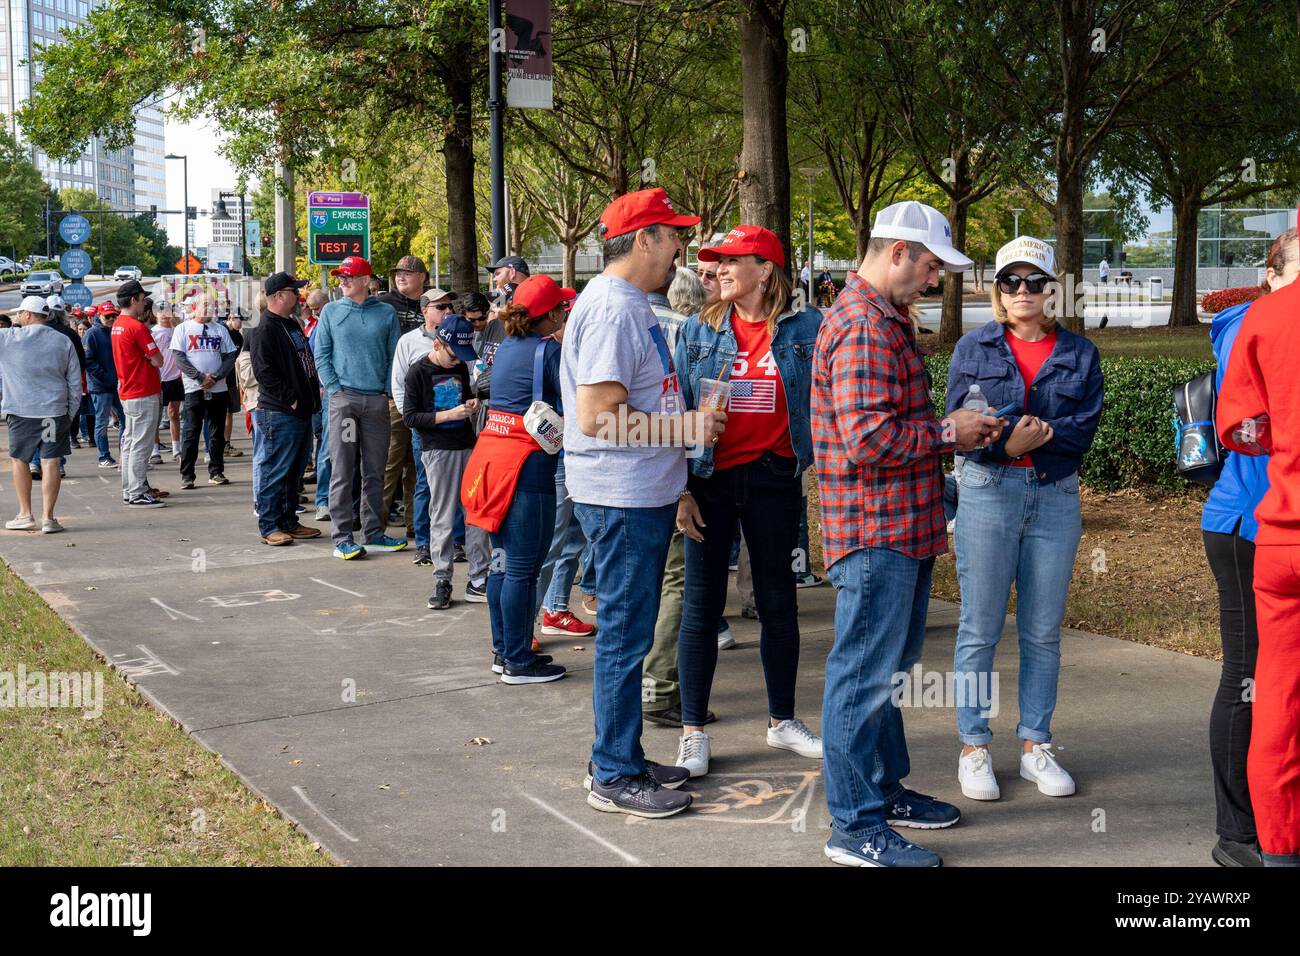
(747, 241)
(352, 266)
(633, 211)
(538, 294)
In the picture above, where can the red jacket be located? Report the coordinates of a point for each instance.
(1262, 389)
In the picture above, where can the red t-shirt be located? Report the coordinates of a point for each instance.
(132, 346)
(1030, 357)
(758, 419)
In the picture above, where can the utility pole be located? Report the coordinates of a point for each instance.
(285, 252)
(496, 110)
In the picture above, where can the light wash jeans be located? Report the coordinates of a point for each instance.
(560, 567)
(1012, 528)
(139, 429)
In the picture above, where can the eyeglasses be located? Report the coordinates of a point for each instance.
(1034, 283)
(705, 275)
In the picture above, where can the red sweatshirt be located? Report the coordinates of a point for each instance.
(1262, 387)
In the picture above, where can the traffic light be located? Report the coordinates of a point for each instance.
(191, 212)
(266, 242)
(153, 211)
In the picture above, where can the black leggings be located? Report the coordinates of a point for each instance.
(1232, 560)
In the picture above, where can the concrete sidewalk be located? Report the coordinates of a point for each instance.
(254, 649)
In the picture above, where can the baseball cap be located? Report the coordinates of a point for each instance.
(538, 294)
(457, 333)
(90, 310)
(55, 302)
(633, 211)
(435, 295)
(511, 262)
(352, 266)
(34, 303)
(279, 281)
(129, 290)
(747, 241)
(410, 264)
(107, 307)
(569, 296)
(914, 221)
(1026, 249)
(76, 311)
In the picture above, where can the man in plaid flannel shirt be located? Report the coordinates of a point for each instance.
(878, 446)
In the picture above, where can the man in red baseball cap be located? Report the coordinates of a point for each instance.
(620, 389)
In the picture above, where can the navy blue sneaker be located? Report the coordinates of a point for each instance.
(885, 848)
(921, 812)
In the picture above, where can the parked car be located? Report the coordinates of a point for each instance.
(126, 273)
(42, 283)
(8, 267)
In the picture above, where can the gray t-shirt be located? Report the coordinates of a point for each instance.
(613, 336)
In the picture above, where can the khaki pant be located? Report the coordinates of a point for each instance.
(401, 465)
(659, 689)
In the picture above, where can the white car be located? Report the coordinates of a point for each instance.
(125, 273)
(42, 283)
(8, 267)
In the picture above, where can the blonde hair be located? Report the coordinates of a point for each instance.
(776, 299)
(1000, 312)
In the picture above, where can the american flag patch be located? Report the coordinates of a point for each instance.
(749, 395)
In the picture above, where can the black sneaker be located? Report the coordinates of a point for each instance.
(1231, 853)
(476, 593)
(458, 554)
(146, 501)
(422, 558)
(534, 673)
(639, 796)
(441, 596)
(670, 777)
(672, 717)
(36, 474)
(499, 665)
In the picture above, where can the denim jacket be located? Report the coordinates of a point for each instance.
(1066, 393)
(704, 353)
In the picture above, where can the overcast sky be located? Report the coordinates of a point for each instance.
(207, 171)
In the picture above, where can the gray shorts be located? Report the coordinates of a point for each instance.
(50, 435)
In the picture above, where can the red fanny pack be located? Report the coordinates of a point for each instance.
(492, 473)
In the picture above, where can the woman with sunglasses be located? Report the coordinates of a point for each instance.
(1018, 514)
(753, 340)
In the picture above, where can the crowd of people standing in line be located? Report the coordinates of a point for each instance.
(544, 434)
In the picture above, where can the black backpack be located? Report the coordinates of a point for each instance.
(1198, 454)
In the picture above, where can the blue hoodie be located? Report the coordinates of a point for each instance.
(1244, 478)
(354, 345)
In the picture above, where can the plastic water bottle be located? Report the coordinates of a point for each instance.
(975, 400)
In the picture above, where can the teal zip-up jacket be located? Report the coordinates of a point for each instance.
(354, 346)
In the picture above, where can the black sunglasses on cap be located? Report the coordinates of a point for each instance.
(1034, 283)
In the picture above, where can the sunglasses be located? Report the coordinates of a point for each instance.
(1034, 284)
(440, 306)
(707, 275)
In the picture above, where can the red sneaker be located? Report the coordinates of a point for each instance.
(564, 623)
(537, 645)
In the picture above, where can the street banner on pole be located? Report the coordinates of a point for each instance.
(528, 54)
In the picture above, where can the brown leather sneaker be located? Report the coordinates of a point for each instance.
(302, 531)
(278, 539)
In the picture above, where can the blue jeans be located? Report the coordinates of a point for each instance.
(420, 498)
(286, 442)
(629, 548)
(323, 456)
(561, 564)
(259, 455)
(761, 497)
(458, 528)
(104, 402)
(86, 414)
(518, 547)
(1010, 527)
(587, 583)
(880, 607)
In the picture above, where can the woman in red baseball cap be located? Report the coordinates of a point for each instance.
(509, 483)
(758, 344)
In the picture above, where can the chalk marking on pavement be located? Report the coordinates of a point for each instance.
(99, 573)
(38, 567)
(627, 857)
(173, 614)
(102, 478)
(174, 671)
(302, 795)
(336, 587)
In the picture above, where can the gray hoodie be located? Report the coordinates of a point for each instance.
(41, 374)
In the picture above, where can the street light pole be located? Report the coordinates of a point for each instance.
(496, 111)
(1016, 213)
(810, 173)
(185, 204)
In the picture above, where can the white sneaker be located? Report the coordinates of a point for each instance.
(1041, 767)
(693, 753)
(22, 523)
(793, 734)
(51, 526)
(725, 640)
(975, 774)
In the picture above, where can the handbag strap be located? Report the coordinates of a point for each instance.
(539, 360)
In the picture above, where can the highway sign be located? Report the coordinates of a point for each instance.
(75, 263)
(338, 226)
(77, 293)
(74, 229)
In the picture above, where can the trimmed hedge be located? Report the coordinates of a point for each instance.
(1134, 445)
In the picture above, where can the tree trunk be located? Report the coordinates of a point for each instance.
(570, 243)
(1184, 311)
(764, 153)
(458, 154)
(954, 282)
(1071, 165)
(1069, 241)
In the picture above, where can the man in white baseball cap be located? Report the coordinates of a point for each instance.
(914, 221)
